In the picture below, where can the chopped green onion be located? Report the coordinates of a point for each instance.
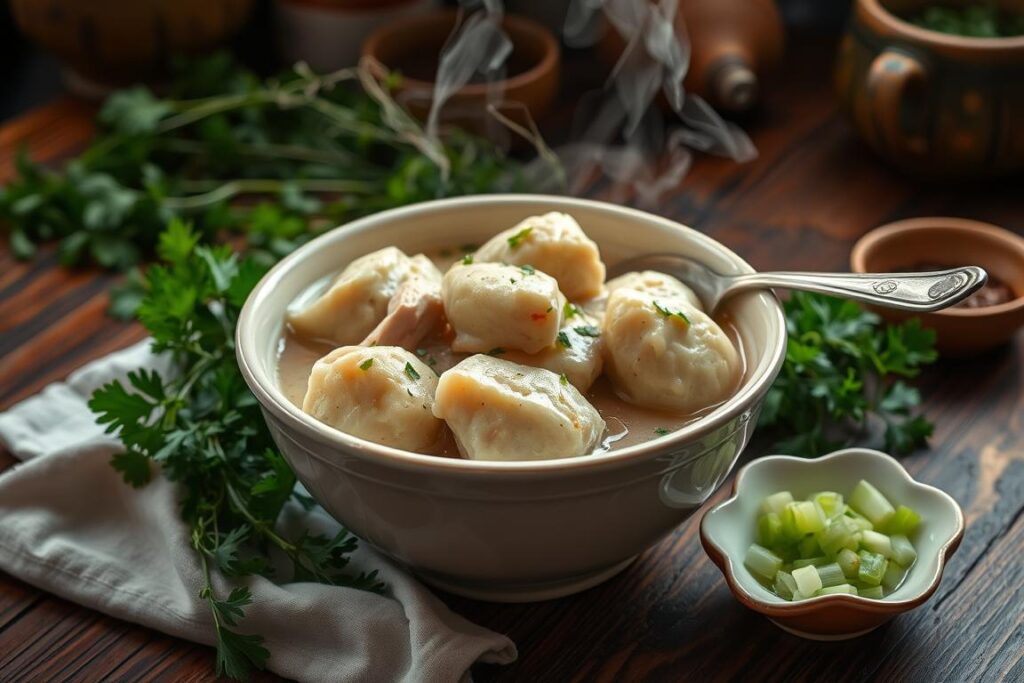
(872, 567)
(893, 576)
(903, 521)
(515, 240)
(365, 365)
(903, 552)
(785, 585)
(831, 575)
(841, 589)
(875, 592)
(769, 529)
(762, 561)
(777, 502)
(849, 562)
(807, 580)
(868, 501)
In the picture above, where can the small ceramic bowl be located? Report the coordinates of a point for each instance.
(954, 242)
(508, 531)
(728, 529)
(412, 45)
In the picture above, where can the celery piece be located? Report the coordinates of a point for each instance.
(877, 543)
(769, 529)
(903, 552)
(762, 561)
(776, 502)
(809, 547)
(903, 521)
(869, 501)
(838, 534)
(831, 575)
(802, 518)
(872, 567)
(810, 561)
(807, 581)
(785, 585)
(875, 592)
(843, 588)
(830, 502)
(787, 552)
(849, 562)
(860, 521)
(893, 576)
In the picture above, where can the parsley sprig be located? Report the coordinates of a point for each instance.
(842, 367)
(203, 427)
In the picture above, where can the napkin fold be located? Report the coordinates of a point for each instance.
(70, 526)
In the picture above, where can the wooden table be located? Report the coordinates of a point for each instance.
(812, 192)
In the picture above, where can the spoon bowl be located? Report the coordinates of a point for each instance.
(918, 292)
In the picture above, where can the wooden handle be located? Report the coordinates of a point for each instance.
(889, 77)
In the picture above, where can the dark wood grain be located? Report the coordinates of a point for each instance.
(812, 192)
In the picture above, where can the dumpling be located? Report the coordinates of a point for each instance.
(491, 306)
(356, 301)
(414, 311)
(657, 284)
(553, 243)
(382, 394)
(499, 410)
(661, 352)
(575, 354)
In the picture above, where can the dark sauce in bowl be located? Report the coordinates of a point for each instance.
(992, 293)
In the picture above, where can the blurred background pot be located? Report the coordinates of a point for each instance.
(933, 104)
(412, 46)
(329, 34)
(109, 43)
(733, 43)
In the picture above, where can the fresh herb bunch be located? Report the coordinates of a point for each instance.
(323, 149)
(203, 427)
(842, 367)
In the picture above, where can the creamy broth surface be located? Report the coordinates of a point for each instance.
(628, 425)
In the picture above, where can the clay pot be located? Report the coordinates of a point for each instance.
(951, 242)
(110, 43)
(329, 34)
(733, 43)
(412, 46)
(933, 104)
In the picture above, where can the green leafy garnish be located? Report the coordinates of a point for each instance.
(528, 269)
(515, 240)
(366, 364)
(842, 368)
(411, 372)
(563, 340)
(204, 428)
(569, 310)
(665, 313)
(564, 380)
(661, 431)
(467, 259)
(496, 351)
(587, 331)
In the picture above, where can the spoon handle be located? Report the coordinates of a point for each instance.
(921, 292)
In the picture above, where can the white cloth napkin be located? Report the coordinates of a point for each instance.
(70, 526)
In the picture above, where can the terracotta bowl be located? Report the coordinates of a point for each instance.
(953, 241)
(508, 531)
(728, 529)
(417, 41)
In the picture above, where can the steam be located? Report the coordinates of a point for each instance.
(618, 131)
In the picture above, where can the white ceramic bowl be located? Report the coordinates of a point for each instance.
(509, 531)
(728, 529)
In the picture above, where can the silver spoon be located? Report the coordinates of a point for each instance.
(918, 292)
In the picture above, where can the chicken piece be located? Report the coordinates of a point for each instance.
(414, 311)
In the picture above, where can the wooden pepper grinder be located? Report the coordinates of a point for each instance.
(733, 43)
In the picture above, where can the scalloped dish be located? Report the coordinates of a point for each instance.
(728, 530)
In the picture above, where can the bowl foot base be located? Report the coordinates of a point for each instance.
(523, 592)
(824, 637)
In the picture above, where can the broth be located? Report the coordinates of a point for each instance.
(628, 425)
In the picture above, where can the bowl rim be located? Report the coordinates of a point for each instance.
(725, 562)
(875, 239)
(549, 59)
(875, 10)
(273, 399)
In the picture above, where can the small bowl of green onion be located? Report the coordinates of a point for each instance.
(833, 547)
